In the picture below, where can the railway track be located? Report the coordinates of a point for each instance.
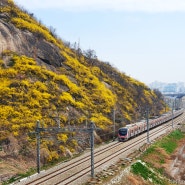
(78, 170)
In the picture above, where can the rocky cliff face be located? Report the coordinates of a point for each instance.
(26, 43)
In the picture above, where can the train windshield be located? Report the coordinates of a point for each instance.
(123, 131)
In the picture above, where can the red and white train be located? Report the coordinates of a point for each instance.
(132, 130)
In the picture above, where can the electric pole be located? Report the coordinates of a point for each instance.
(92, 149)
(38, 145)
(147, 122)
(114, 126)
(172, 113)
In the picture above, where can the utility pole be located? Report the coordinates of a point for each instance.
(114, 126)
(92, 149)
(38, 145)
(172, 113)
(147, 122)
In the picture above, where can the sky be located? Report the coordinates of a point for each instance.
(144, 39)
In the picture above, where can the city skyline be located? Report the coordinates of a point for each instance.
(168, 87)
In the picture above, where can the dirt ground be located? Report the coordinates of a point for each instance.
(176, 165)
(10, 166)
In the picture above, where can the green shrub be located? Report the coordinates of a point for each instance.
(144, 171)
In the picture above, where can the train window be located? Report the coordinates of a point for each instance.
(122, 132)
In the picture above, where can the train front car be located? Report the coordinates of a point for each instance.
(123, 134)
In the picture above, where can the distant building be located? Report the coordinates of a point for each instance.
(168, 88)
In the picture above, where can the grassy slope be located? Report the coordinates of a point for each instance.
(155, 161)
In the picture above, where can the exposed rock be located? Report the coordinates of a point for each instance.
(68, 153)
(29, 44)
(11, 146)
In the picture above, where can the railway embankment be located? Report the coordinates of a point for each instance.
(162, 162)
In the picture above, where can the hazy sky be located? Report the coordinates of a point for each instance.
(145, 39)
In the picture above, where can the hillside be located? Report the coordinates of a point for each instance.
(44, 79)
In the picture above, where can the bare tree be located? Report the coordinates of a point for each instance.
(90, 54)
